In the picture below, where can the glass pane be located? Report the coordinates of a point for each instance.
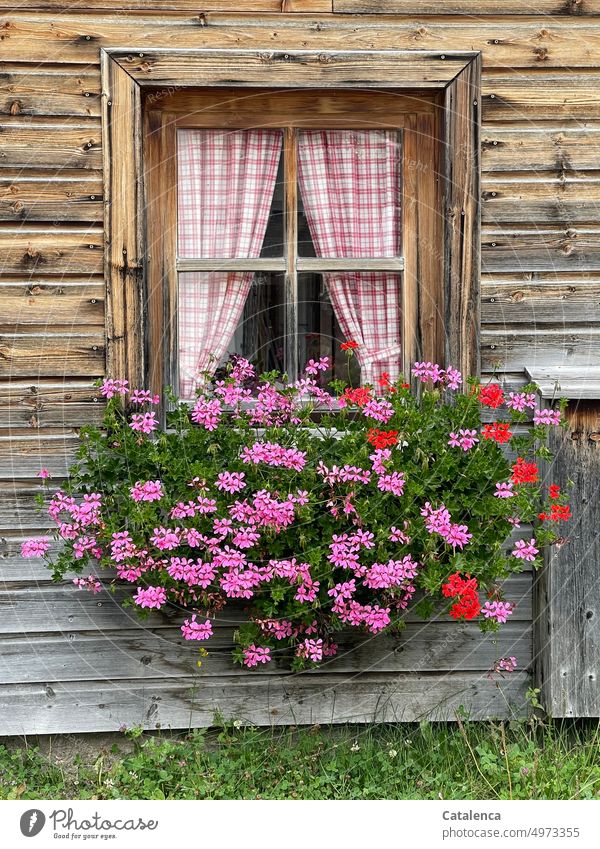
(360, 307)
(273, 245)
(229, 193)
(349, 193)
(221, 314)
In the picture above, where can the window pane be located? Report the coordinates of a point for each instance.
(221, 314)
(360, 307)
(225, 189)
(273, 245)
(319, 332)
(350, 193)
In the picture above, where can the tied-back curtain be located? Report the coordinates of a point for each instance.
(349, 183)
(225, 183)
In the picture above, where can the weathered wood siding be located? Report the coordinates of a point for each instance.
(80, 663)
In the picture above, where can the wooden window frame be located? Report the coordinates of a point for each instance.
(416, 116)
(138, 349)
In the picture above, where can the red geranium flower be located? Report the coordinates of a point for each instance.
(498, 431)
(360, 396)
(492, 395)
(466, 608)
(384, 381)
(349, 346)
(560, 512)
(382, 438)
(465, 589)
(524, 472)
(554, 490)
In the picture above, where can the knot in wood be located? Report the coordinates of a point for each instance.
(16, 107)
(541, 53)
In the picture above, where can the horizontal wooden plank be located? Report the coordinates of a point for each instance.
(258, 700)
(48, 304)
(52, 198)
(546, 299)
(567, 149)
(23, 456)
(517, 349)
(34, 355)
(51, 251)
(540, 96)
(249, 6)
(542, 199)
(51, 609)
(144, 653)
(18, 511)
(470, 8)
(31, 90)
(567, 381)
(540, 248)
(302, 68)
(522, 42)
(51, 144)
(49, 404)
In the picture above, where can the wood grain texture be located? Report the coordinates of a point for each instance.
(30, 90)
(536, 299)
(522, 42)
(51, 198)
(36, 354)
(298, 68)
(516, 348)
(470, 9)
(23, 456)
(145, 653)
(564, 149)
(47, 403)
(567, 599)
(540, 248)
(541, 96)
(33, 250)
(462, 213)
(125, 256)
(567, 382)
(160, 203)
(248, 6)
(51, 144)
(47, 303)
(289, 700)
(548, 199)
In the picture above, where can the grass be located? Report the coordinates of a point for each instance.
(468, 760)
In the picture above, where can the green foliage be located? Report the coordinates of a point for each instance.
(187, 458)
(468, 760)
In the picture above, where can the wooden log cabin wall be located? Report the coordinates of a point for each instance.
(75, 663)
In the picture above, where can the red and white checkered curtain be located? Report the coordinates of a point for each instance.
(226, 181)
(349, 183)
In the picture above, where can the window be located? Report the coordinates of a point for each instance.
(292, 213)
(431, 98)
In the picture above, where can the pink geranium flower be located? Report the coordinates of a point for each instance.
(193, 630)
(34, 548)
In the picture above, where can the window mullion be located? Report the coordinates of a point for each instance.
(290, 165)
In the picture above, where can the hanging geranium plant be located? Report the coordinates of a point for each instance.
(315, 510)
